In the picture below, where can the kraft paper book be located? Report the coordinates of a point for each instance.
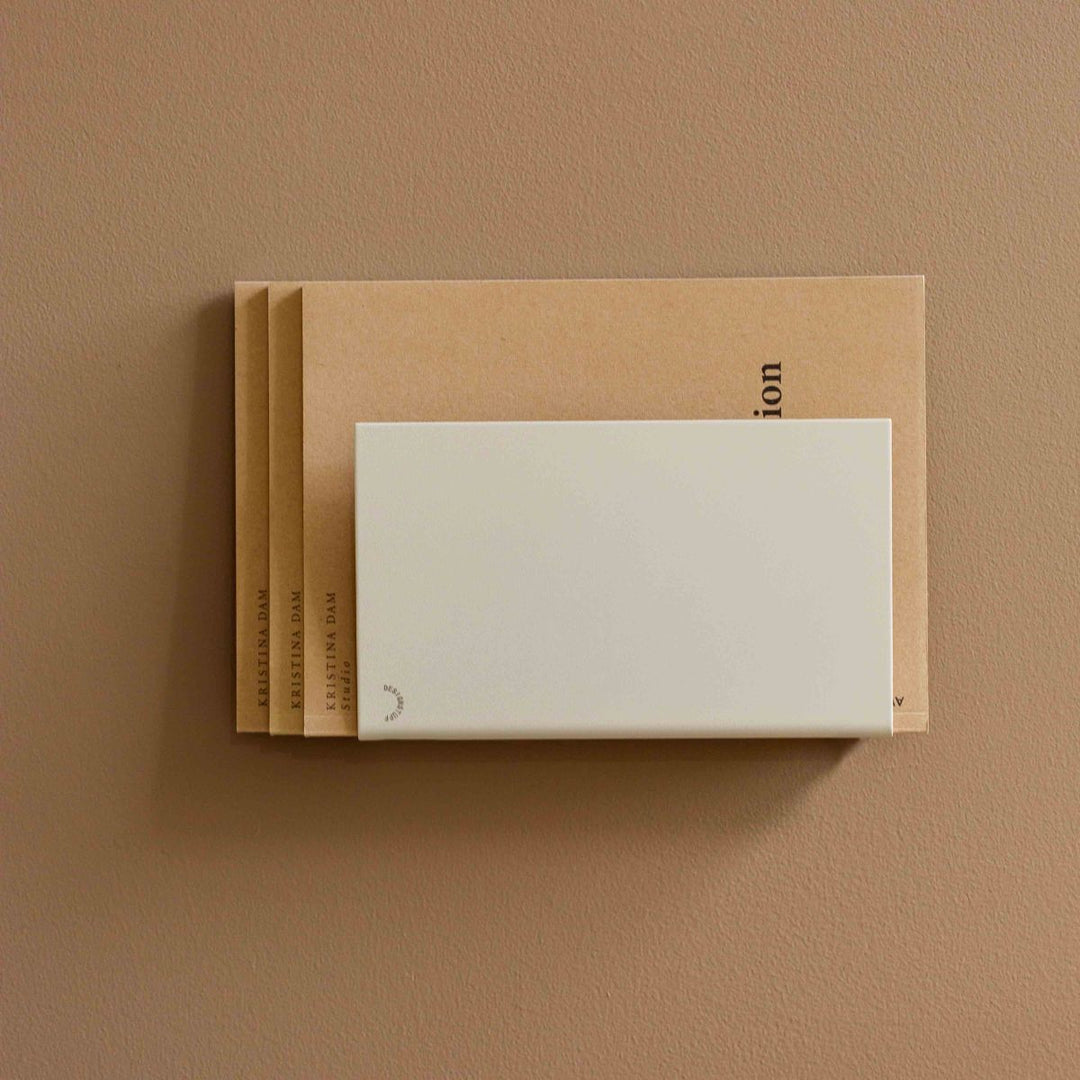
(624, 579)
(765, 349)
(286, 529)
(252, 503)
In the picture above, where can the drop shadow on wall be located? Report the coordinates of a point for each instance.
(215, 788)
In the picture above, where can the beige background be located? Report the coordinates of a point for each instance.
(182, 901)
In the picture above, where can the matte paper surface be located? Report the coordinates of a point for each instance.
(676, 579)
(768, 349)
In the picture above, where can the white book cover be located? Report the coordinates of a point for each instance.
(616, 579)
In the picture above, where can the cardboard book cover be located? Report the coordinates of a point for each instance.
(286, 525)
(252, 507)
(768, 349)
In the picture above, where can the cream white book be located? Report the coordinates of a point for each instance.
(617, 579)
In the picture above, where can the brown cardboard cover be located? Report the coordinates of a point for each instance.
(252, 496)
(575, 350)
(286, 529)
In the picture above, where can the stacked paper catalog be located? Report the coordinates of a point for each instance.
(372, 416)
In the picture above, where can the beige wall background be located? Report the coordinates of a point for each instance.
(180, 901)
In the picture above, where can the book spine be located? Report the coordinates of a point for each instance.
(328, 543)
(286, 510)
(252, 503)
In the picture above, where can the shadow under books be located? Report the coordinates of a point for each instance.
(216, 788)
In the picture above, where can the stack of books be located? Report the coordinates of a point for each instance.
(314, 359)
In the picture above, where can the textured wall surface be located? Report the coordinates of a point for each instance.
(180, 901)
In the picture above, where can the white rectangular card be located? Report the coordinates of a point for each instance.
(616, 579)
